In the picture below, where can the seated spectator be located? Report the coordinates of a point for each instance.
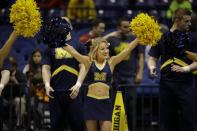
(16, 84)
(81, 10)
(175, 4)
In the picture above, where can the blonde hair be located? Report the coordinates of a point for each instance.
(94, 47)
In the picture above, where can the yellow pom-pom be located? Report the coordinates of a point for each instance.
(25, 17)
(146, 29)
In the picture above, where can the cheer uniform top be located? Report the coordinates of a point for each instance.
(64, 68)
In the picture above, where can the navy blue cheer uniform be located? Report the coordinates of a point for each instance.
(6, 66)
(98, 109)
(64, 70)
(177, 92)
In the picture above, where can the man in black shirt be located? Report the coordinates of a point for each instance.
(177, 92)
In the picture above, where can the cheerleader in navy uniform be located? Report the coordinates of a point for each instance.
(97, 102)
(60, 72)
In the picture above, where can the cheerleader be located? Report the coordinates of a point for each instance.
(60, 72)
(97, 102)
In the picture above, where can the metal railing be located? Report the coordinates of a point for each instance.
(145, 112)
(31, 109)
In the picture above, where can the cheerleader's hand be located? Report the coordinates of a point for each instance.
(75, 90)
(1, 88)
(49, 89)
(153, 72)
(177, 68)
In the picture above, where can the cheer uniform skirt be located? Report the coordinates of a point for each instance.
(95, 109)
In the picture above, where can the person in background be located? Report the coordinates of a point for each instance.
(98, 102)
(34, 70)
(35, 89)
(97, 28)
(16, 84)
(177, 92)
(133, 66)
(175, 4)
(81, 10)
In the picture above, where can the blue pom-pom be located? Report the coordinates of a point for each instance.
(54, 32)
